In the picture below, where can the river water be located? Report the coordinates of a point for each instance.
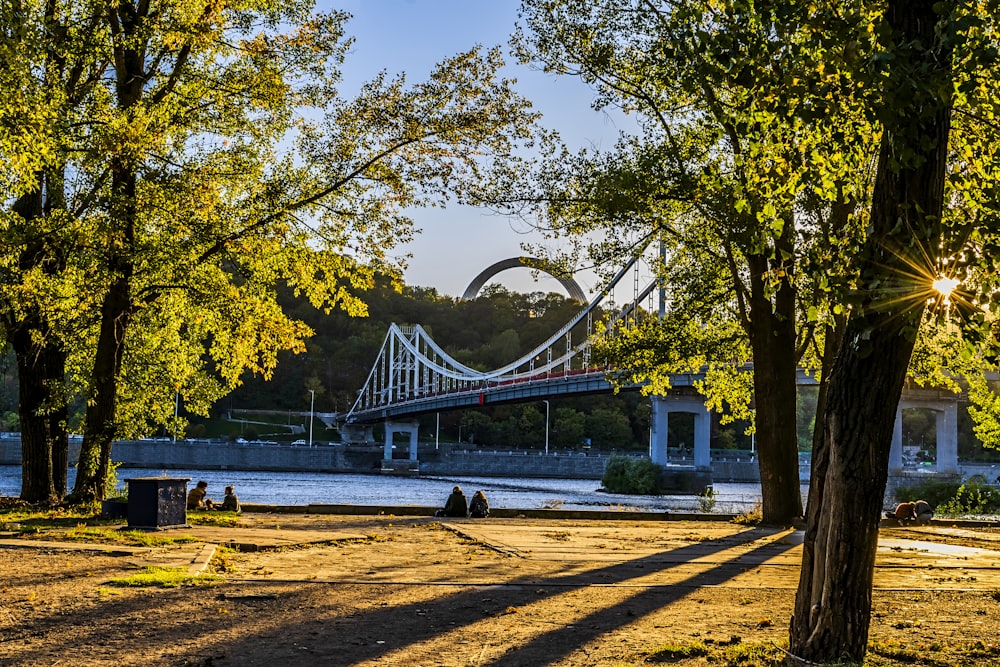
(298, 488)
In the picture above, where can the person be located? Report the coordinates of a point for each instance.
(479, 508)
(903, 512)
(196, 499)
(456, 505)
(231, 503)
(922, 511)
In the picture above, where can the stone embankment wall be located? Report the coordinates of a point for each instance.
(447, 460)
(570, 465)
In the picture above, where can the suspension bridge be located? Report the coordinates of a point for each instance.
(414, 376)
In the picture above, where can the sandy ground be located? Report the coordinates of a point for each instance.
(356, 590)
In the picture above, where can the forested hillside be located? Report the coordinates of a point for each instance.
(487, 332)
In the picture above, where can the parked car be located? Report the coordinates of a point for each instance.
(299, 442)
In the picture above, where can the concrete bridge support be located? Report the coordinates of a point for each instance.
(945, 409)
(359, 434)
(393, 427)
(662, 406)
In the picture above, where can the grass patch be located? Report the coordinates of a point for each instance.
(755, 654)
(81, 524)
(213, 518)
(676, 651)
(725, 653)
(35, 519)
(108, 535)
(163, 577)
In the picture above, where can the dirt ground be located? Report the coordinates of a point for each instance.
(350, 590)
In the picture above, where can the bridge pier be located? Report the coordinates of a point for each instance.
(662, 406)
(361, 434)
(393, 427)
(945, 409)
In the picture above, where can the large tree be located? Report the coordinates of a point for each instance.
(212, 160)
(48, 70)
(936, 59)
(821, 82)
(734, 172)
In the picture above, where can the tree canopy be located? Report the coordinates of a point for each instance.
(183, 160)
(827, 163)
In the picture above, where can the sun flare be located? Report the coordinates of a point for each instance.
(945, 286)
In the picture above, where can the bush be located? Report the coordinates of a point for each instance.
(973, 496)
(706, 500)
(935, 492)
(625, 474)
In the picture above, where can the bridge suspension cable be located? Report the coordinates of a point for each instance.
(411, 366)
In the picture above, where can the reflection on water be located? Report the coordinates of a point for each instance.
(297, 488)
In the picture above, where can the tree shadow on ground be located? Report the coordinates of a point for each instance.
(366, 635)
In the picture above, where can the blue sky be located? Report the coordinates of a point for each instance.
(411, 36)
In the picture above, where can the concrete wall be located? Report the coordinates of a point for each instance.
(514, 464)
(447, 460)
(224, 456)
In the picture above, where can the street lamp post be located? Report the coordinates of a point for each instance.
(177, 402)
(546, 425)
(312, 403)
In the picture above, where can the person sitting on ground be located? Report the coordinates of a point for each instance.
(231, 503)
(196, 500)
(456, 505)
(903, 512)
(479, 508)
(922, 511)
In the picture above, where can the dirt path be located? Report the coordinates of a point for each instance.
(385, 591)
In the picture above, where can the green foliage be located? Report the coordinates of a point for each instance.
(569, 426)
(934, 491)
(707, 499)
(972, 498)
(952, 498)
(751, 517)
(9, 421)
(631, 475)
(202, 180)
(112, 485)
(609, 429)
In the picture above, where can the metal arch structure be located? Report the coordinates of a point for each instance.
(411, 368)
(571, 286)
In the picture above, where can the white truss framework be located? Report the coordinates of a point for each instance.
(411, 365)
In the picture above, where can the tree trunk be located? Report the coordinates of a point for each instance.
(833, 603)
(117, 307)
(101, 425)
(772, 338)
(41, 369)
(43, 415)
